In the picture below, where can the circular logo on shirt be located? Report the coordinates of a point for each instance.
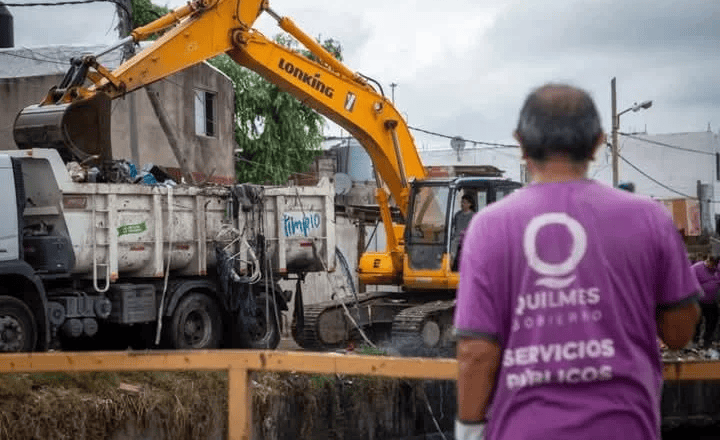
(556, 275)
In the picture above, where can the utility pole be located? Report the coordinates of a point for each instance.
(392, 87)
(615, 123)
(616, 126)
(125, 26)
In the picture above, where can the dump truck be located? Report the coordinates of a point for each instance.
(107, 265)
(416, 274)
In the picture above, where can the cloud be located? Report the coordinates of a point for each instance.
(464, 67)
(67, 24)
(579, 26)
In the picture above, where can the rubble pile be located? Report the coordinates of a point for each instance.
(120, 171)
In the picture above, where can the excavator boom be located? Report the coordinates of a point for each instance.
(74, 117)
(199, 31)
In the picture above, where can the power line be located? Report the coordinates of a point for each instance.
(649, 141)
(69, 2)
(34, 58)
(655, 180)
(492, 144)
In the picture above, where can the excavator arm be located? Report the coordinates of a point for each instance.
(204, 29)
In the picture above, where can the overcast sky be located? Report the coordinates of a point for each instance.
(463, 67)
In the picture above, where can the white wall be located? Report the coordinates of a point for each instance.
(661, 171)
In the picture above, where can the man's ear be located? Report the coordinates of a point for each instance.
(523, 153)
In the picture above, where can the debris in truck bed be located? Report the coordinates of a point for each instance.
(121, 171)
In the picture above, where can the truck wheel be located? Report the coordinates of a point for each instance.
(196, 323)
(18, 332)
(264, 332)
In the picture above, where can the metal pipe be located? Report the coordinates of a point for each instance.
(118, 44)
(290, 27)
(392, 126)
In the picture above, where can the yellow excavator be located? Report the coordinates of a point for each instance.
(418, 268)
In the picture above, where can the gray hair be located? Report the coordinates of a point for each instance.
(558, 118)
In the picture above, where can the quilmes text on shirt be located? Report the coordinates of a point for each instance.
(552, 299)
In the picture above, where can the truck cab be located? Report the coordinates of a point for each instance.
(11, 215)
(23, 318)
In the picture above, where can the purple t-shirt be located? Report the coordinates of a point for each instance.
(709, 282)
(567, 278)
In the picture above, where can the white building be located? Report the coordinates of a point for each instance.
(668, 166)
(505, 158)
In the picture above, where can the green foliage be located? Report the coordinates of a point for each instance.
(144, 12)
(330, 44)
(276, 134)
(370, 350)
(318, 382)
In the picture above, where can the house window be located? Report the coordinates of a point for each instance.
(717, 166)
(205, 114)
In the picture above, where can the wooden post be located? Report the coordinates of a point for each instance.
(239, 404)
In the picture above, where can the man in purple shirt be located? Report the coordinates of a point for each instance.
(709, 279)
(565, 286)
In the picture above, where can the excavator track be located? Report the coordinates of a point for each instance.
(326, 324)
(425, 330)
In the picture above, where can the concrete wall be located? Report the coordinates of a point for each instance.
(211, 156)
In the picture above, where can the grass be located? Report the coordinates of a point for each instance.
(186, 405)
(193, 405)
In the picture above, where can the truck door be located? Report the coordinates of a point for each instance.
(9, 233)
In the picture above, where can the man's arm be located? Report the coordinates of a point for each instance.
(478, 363)
(676, 325)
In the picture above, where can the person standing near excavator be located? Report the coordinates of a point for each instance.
(706, 272)
(564, 287)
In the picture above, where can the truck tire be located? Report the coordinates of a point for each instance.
(18, 331)
(265, 332)
(196, 323)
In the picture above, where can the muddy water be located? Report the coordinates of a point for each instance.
(324, 407)
(358, 408)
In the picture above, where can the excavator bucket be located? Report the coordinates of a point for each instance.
(78, 130)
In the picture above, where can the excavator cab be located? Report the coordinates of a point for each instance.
(79, 130)
(437, 221)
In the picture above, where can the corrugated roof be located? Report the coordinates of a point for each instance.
(49, 60)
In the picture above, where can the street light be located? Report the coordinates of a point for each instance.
(616, 124)
(392, 86)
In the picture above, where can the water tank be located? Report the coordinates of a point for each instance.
(6, 27)
(354, 161)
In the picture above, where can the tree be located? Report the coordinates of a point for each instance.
(276, 135)
(143, 12)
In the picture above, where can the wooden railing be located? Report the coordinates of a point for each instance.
(239, 364)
